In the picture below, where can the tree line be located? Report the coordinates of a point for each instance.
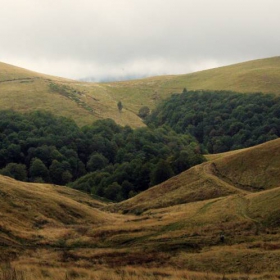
(102, 158)
(220, 120)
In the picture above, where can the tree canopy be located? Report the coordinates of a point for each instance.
(103, 158)
(221, 120)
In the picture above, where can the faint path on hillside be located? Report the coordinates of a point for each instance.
(207, 171)
(242, 202)
(243, 208)
(19, 80)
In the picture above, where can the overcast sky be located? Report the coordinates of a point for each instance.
(106, 39)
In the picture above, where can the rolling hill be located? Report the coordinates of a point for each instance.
(26, 208)
(49, 230)
(24, 90)
(260, 75)
(237, 172)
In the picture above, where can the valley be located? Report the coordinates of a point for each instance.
(59, 230)
(143, 200)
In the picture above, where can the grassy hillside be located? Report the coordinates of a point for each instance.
(27, 209)
(253, 76)
(185, 237)
(48, 231)
(195, 184)
(237, 172)
(23, 90)
(171, 231)
(260, 75)
(254, 169)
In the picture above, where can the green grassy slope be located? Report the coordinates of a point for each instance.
(25, 90)
(261, 75)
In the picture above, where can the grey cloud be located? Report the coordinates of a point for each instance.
(122, 38)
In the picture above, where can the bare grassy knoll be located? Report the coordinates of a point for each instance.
(23, 90)
(252, 76)
(194, 226)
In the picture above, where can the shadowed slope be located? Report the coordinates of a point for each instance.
(251, 169)
(195, 184)
(26, 208)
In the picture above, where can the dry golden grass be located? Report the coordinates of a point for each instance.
(49, 231)
(184, 237)
(260, 75)
(212, 157)
(43, 214)
(195, 184)
(254, 169)
(234, 172)
(122, 273)
(24, 91)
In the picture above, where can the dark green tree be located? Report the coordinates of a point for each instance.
(96, 162)
(113, 192)
(120, 106)
(144, 112)
(38, 170)
(161, 172)
(181, 162)
(16, 171)
(56, 171)
(66, 177)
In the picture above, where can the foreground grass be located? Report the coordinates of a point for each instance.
(9, 272)
(171, 231)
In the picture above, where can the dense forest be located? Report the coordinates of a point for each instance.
(103, 158)
(220, 120)
(117, 162)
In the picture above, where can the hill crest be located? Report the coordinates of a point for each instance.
(23, 90)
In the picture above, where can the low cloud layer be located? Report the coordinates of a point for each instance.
(116, 39)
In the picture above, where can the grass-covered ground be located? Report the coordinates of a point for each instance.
(53, 232)
(24, 90)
